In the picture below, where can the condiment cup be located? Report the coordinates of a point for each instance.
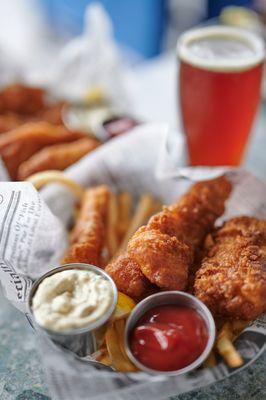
(167, 298)
(81, 341)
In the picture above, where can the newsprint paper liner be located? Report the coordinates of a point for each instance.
(33, 239)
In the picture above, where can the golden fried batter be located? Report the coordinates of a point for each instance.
(10, 121)
(163, 259)
(88, 235)
(128, 277)
(58, 157)
(195, 213)
(164, 250)
(21, 99)
(231, 280)
(18, 145)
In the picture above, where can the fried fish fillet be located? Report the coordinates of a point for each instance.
(165, 248)
(52, 113)
(231, 280)
(18, 145)
(10, 121)
(88, 235)
(127, 274)
(22, 99)
(57, 157)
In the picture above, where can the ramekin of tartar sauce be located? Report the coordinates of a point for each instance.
(70, 302)
(169, 333)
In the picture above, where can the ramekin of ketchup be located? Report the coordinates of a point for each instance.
(169, 333)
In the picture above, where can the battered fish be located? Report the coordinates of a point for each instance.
(164, 250)
(231, 280)
(18, 145)
(88, 235)
(57, 157)
(22, 99)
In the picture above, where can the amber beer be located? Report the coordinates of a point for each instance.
(220, 85)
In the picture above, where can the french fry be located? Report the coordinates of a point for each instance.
(226, 348)
(119, 361)
(143, 211)
(120, 331)
(125, 206)
(102, 356)
(42, 178)
(238, 326)
(112, 219)
(157, 207)
(210, 360)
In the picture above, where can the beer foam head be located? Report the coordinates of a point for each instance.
(221, 48)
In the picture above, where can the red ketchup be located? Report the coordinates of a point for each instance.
(169, 337)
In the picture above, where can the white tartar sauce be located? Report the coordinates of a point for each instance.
(71, 299)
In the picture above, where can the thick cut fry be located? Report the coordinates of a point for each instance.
(18, 145)
(112, 220)
(103, 357)
(226, 348)
(58, 157)
(119, 361)
(210, 360)
(120, 331)
(43, 178)
(142, 213)
(125, 206)
(88, 235)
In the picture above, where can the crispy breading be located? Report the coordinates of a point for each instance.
(10, 121)
(57, 157)
(163, 259)
(165, 249)
(88, 235)
(231, 279)
(18, 145)
(128, 277)
(52, 113)
(193, 216)
(21, 99)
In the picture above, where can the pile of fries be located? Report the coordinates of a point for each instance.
(121, 225)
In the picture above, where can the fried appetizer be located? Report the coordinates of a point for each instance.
(88, 235)
(128, 277)
(52, 113)
(10, 121)
(57, 157)
(165, 248)
(18, 145)
(21, 99)
(231, 280)
(194, 215)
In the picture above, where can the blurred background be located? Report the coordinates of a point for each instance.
(142, 28)
(146, 33)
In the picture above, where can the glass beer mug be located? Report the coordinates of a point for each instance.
(220, 85)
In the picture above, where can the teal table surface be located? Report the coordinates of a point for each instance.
(21, 375)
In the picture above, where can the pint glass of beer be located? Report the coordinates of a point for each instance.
(220, 85)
